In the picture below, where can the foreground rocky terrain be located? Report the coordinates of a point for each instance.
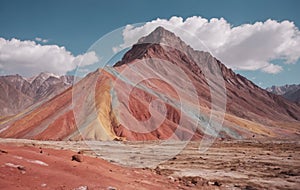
(247, 164)
(33, 166)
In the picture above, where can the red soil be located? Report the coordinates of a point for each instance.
(54, 169)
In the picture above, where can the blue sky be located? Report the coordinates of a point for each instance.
(76, 25)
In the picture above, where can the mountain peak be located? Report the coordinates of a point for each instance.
(163, 36)
(47, 75)
(157, 34)
(42, 76)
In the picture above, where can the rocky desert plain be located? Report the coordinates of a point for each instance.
(236, 164)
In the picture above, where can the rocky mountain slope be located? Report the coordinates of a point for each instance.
(293, 96)
(290, 92)
(18, 93)
(161, 89)
(281, 90)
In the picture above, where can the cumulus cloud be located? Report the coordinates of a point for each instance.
(29, 58)
(244, 47)
(41, 40)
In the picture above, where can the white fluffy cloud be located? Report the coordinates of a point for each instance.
(29, 58)
(38, 39)
(244, 47)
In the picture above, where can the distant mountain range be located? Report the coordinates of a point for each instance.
(108, 105)
(18, 93)
(290, 92)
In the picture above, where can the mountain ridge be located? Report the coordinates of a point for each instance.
(138, 52)
(290, 92)
(28, 91)
(109, 106)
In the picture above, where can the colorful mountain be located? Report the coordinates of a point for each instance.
(161, 89)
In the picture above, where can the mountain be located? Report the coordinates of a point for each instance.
(290, 92)
(161, 89)
(293, 96)
(18, 93)
(281, 90)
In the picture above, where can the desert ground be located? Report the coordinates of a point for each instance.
(227, 164)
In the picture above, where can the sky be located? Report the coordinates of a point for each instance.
(259, 39)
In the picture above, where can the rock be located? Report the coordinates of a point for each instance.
(216, 183)
(248, 187)
(44, 185)
(111, 188)
(289, 173)
(21, 168)
(82, 188)
(171, 178)
(118, 139)
(77, 158)
(157, 170)
(3, 151)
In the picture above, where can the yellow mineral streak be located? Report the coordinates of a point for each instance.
(101, 128)
(250, 125)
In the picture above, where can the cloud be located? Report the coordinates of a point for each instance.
(271, 68)
(41, 40)
(29, 58)
(244, 47)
